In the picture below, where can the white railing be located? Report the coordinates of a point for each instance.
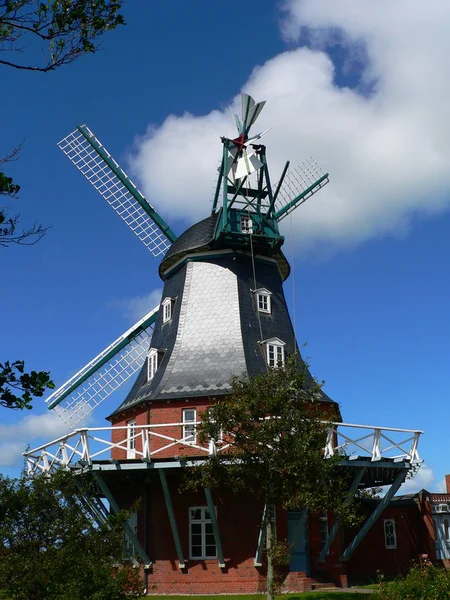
(145, 443)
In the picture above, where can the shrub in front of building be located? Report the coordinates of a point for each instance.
(425, 581)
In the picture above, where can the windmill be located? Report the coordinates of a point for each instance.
(245, 219)
(223, 314)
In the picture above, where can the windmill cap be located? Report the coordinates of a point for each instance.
(200, 238)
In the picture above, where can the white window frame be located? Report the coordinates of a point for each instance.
(167, 309)
(246, 224)
(263, 300)
(446, 529)
(189, 426)
(324, 529)
(131, 438)
(152, 363)
(133, 524)
(205, 524)
(275, 353)
(390, 535)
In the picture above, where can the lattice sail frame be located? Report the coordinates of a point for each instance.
(82, 393)
(91, 158)
(299, 184)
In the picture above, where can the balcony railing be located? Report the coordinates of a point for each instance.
(146, 443)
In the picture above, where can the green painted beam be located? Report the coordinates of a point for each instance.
(224, 215)
(216, 193)
(298, 198)
(173, 523)
(115, 508)
(121, 344)
(374, 516)
(163, 226)
(355, 483)
(260, 545)
(280, 183)
(215, 526)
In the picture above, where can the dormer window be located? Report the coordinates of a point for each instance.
(263, 301)
(167, 309)
(152, 363)
(246, 224)
(275, 354)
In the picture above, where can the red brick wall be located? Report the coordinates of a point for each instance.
(372, 555)
(447, 483)
(239, 521)
(159, 413)
(239, 518)
(171, 411)
(331, 569)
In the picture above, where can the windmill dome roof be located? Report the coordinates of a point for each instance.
(195, 239)
(200, 237)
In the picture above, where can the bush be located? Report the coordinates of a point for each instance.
(424, 581)
(50, 549)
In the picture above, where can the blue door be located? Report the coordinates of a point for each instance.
(297, 539)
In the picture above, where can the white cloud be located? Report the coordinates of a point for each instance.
(28, 430)
(424, 479)
(138, 306)
(441, 487)
(388, 153)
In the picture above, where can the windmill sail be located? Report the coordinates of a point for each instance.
(298, 185)
(102, 171)
(250, 112)
(103, 375)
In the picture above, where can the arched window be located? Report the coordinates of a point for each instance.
(167, 309)
(152, 363)
(446, 530)
(263, 300)
(275, 354)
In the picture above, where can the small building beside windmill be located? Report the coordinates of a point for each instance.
(223, 314)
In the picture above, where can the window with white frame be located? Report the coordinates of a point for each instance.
(323, 529)
(130, 550)
(246, 224)
(390, 534)
(202, 543)
(263, 301)
(275, 352)
(167, 309)
(189, 420)
(152, 363)
(131, 438)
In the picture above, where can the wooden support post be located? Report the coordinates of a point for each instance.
(115, 508)
(259, 548)
(215, 526)
(173, 523)
(374, 516)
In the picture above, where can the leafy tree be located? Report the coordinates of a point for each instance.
(275, 429)
(8, 223)
(42, 36)
(60, 30)
(51, 549)
(13, 378)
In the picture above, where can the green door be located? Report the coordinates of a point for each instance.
(298, 541)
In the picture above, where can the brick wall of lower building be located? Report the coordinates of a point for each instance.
(239, 518)
(372, 556)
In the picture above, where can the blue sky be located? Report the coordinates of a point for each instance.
(345, 82)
